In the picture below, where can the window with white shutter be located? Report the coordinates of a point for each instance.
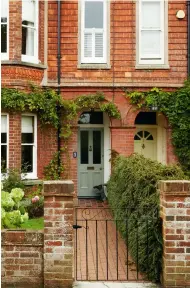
(29, 145)
(4, 29)
(93, 31)
(4, 143)
(30, 31)
(152, 32)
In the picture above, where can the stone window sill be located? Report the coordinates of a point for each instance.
(21, 63)
(152, 67)
(94, 66)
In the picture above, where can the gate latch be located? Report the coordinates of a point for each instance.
(76, 226)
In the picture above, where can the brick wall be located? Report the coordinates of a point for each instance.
(123, 35)
(43, 258)
(58, 240)
(22, 259)
(175, 213)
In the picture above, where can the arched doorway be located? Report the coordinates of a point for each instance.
(150, 136)
(93, 152)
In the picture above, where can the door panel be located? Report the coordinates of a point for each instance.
(91, 161)
(145, 142)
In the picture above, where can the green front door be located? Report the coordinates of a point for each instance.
(91, 161)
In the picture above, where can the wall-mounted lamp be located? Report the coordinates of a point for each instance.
(180, 14)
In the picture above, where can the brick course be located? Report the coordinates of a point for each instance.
(175, 205)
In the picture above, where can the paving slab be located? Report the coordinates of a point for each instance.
(81, 284)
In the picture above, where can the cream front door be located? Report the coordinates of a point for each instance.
(145, 142)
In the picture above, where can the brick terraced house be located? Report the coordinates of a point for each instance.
(97, 45)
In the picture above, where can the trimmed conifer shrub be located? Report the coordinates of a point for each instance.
(133, 197)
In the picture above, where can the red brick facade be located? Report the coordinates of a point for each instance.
(77, 81)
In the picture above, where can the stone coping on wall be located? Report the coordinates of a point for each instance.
(22, 237)
(58, 188)
(174, 187)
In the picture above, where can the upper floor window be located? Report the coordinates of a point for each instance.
(94, 31)
(4, 143)
(4, 29)
(152, 27)
(30, 31)
(29, 145)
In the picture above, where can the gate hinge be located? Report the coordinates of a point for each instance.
(76, 226)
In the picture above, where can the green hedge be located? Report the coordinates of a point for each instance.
(132, 195)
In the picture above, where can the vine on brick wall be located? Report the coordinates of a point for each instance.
(176, 107)
(44, 102)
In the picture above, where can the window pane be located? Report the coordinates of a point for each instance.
(27, 124)
(28, 10)
(146, 118)
(150, 15)
(93, 14)
(3, 157)
(3, 38)
(28, 39)
(27, 158)
(96, 147)
(27, 138)
(150, 43)
(84, 147)
(91, 118)
(4, 8)
(3, 124)
(3, 137)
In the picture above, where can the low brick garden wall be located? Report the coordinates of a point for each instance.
(22, 258)
(35, 259)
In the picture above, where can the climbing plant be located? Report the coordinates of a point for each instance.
(57, 111)
(176, 107)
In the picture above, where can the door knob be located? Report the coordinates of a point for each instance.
(90, 148)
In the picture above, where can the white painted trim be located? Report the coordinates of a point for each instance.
(34, 59)
(107, 146)
(32, 175)
(106, 35)
(7, 115)
(151, 63)
(5, 56)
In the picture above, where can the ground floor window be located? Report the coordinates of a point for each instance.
(4, 143)
(29, 145)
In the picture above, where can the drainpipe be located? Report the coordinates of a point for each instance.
(59, 79)
(188, 38)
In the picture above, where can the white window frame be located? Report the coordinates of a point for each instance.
(94, 60)
(27, 58)
(31, 175)
(3, 175)
(5, 56)
(162, 62)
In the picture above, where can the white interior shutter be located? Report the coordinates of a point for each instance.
(28, 10)
(4, 8)
(88, 45)
(27, 124)
(99, 45)
(3, 124)
(151, 34)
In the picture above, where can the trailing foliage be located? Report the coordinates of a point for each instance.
(132, 195)
(52, 171)
(53, 109)
(176, 107)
